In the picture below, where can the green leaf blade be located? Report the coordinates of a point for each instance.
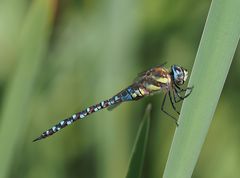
(213, 60)
(32, 48)
(139, 149)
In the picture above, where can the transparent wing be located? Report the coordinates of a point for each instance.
(145, 73)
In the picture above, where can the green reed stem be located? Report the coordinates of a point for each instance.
(32, 47)
(213, 60)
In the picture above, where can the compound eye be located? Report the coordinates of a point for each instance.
(178, 70)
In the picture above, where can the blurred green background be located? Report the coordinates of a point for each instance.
(59, 57)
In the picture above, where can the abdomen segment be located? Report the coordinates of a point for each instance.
(80, 115)
(129, 94)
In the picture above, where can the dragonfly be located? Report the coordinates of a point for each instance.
(154, 80)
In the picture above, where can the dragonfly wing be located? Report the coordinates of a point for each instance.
(161, 65)
(145, 73)
(141, 76)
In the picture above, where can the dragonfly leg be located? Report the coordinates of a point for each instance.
(175, 97)
(173, 104)
(190, 91)
(178, 94)
(188, 88)
(183, 90)
(163, 110)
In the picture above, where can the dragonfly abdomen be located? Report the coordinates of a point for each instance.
(149, 82)
(104, 104)
(134, 92)
(129, 94)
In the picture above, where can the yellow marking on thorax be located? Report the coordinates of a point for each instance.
(142, 91)
(162, 76)
(153, 87)
(162, 79)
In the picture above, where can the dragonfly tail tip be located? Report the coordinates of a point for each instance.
(39, 138)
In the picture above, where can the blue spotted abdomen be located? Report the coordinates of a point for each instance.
(94, 108)
(129, 94)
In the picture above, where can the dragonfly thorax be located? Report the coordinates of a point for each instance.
(180, 74)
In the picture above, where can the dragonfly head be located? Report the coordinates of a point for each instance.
(180, 74)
